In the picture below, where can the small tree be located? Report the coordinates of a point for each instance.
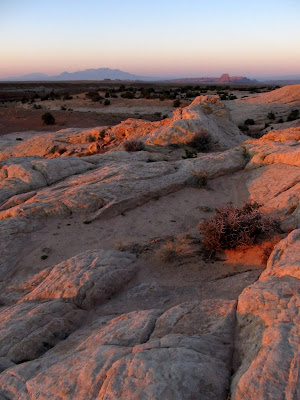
(48, 119)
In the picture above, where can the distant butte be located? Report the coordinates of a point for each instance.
(225, 78)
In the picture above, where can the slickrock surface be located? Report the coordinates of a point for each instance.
(268, 348)
(89, 309)
(86, 279)
(205, 112)
(285, 95)
(182, 353)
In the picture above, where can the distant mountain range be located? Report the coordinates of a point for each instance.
(98, 74)
(101, 74)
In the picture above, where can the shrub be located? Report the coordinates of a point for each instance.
(48, 119)
(174, 248)
(280, 121)
(133, 145)
(176, 103)
(201, 140)
(243, 128)
(235, 226)
(271, 115)
(293, 115)
(106, 102)
(249, 121)
(197, 180)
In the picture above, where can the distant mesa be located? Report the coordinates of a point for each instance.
(225, 78)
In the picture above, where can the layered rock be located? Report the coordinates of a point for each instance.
(286, 95)
(186, 357)
(87, 279)
(117, 185)
(267, 354)
(205, 112)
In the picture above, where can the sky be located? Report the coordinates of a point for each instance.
(159, 38)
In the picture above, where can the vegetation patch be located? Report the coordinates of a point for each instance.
(236, 226)
(133, 145)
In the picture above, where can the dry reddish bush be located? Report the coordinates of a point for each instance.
(133, 145)
(235, 226)
(201, 140)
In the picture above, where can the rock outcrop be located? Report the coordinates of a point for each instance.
(267, 354)
(205, 112)
(102, 324)
(183, 353)
(285, 95)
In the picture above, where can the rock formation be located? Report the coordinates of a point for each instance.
(284, 95)
(91, 322)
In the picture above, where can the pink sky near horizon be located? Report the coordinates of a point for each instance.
(164, 39)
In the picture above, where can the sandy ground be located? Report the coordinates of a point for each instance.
(144, 230)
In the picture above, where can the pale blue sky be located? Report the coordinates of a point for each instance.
(157, 38)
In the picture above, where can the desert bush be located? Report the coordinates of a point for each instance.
(197, 180)
(106, 102)
(249, 121)
(133, 145)
(294, 114)
(189, 154)
(280, 121)
(271, 115)
(201, 140)
(176, 103)
(173, 249)
(48, 119)
(235, 226)
(243, 128)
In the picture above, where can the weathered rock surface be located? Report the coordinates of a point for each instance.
(24, 174)
(113, 358)
(205, 112)
(267, 355)
(87, 279)
(29, 329)
(286, 95)
(118, 185)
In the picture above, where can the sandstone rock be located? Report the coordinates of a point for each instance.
(29, 329)
(5, 363)
(88, 278)
(205, 112)
(286, 95)
(25, 174)
(285, 258)
(117, 185)
(281, 146)
(112, 358)
(267, 354)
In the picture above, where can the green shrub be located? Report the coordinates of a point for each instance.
(235, 226)
(48, 119)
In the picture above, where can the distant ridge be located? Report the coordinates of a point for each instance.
(98, 74)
